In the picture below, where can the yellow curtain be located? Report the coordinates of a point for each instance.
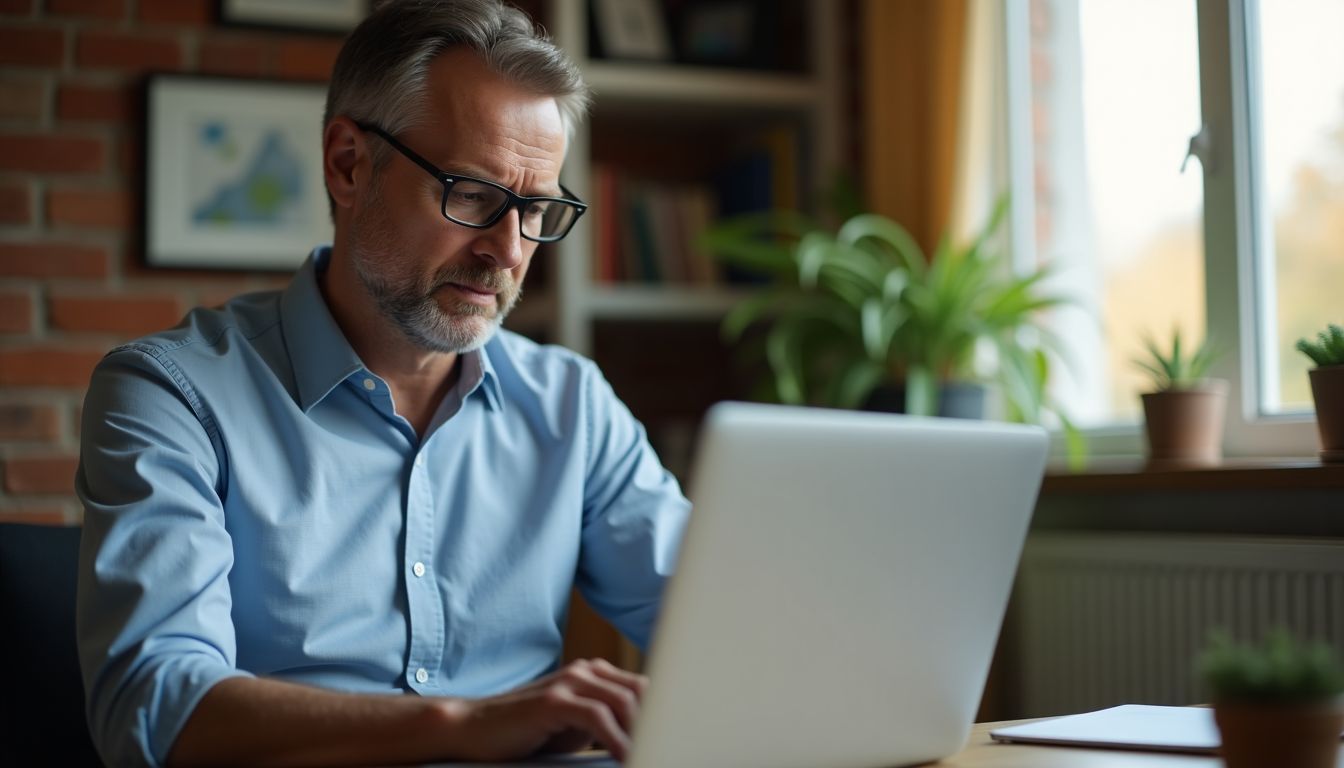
(913, 61)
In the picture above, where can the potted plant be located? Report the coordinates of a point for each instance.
(858, 313)
(1184, 414)
(1327, 389)
(1277, 704)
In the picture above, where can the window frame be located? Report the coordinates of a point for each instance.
(1239, 278)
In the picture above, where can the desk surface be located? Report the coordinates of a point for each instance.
(984, 752)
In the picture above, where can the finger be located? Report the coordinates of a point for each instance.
(631, 680)
(598, 720)
(620, 700)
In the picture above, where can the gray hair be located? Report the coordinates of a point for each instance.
(381, 73)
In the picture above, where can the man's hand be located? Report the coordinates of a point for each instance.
(567, 711)
(255, 721)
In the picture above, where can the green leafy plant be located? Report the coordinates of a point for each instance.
(850, 309)
(1281, 670)
(1178, 368)
(1327, 350)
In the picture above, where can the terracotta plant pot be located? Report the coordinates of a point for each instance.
(1327, 389)
(1185, 426)
(1283, 736)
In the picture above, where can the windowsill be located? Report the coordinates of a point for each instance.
(1131, 475)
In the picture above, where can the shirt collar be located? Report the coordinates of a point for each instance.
(319, 352)
(479, 359)
(322, 357)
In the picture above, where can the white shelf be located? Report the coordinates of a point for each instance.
(616, 83)
(663, 302)
(731, 102)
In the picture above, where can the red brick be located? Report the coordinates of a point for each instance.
(16, 312)
(133, 315)
(53, 260)
(130, 158)
(47, 366)
(95, 102)
(41, 153)
(15, 203)
(32, 46)
(98, 9)
(307, 59)
(35, 517)
(22, 98)
(22, 421)
(246, 58)
(193, 12)
(41, 474)
(17, 7)
(127, 52)
(89, 207)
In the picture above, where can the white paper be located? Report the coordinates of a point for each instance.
(1136, 726)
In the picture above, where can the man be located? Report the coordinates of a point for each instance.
(306, 502)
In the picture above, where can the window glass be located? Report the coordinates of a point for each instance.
(1115, 100)
(1301, 188)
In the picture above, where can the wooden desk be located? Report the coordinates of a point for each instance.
(983, 752)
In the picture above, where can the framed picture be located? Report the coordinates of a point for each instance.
(327, 15)
(632, 29)
(233, 176)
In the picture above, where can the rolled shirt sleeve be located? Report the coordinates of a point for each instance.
(153, 616)
(634, 517)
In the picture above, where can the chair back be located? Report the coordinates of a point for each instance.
(42, 722)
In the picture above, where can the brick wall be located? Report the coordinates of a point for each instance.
(72, 280)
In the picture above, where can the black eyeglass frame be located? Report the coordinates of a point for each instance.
(513, 200)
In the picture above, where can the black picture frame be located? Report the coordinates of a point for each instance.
(332, 16)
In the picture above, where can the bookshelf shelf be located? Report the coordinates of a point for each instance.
(614, 84)
(656, 301)
(668, 127)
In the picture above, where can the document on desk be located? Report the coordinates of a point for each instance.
(1131, 726)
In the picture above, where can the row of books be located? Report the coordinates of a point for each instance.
(647, 230)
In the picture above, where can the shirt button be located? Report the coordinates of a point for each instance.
(421, 675)
(369, 385)
(419, 570)
(419, 461)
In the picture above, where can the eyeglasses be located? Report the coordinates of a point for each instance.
(478, 203)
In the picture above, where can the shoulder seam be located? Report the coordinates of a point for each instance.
(158, 354)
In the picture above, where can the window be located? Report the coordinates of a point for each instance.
(1247, 243)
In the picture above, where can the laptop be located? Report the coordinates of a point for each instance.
(839, 591)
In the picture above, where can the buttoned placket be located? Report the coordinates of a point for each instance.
(427, 621)
(424, 602)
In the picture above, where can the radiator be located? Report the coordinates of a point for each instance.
(1101, 619)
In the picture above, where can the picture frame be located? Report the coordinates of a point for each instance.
(317, 15)
(632, 29)
(233, 173)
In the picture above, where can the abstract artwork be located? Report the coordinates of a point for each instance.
(234, 177)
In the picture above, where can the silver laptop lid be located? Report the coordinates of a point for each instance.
(840, 588)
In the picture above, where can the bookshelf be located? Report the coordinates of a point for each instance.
(676, 124)
(672, 125)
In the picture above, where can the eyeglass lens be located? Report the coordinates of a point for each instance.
(472, 202)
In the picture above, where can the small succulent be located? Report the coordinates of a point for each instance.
(1328, 350)
(1281, 670)
(1177, 369)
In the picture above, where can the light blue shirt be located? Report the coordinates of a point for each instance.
(255, 506)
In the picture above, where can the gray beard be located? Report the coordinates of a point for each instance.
(421, 320)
